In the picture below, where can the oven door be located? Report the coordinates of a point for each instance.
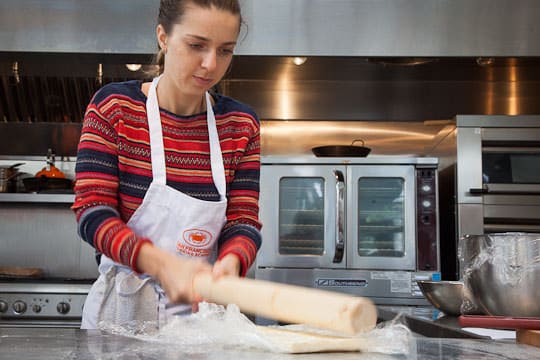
(511, 161)
(493, 161)
(381, 217)
(511, 189)
(303, 216)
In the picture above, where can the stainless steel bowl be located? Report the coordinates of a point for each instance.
(444, 295)
(502, 272)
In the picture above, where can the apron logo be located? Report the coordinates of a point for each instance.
(197, 238)
(195, 242)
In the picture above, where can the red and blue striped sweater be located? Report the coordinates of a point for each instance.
(113, 170)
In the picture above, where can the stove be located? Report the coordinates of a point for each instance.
(42, 303)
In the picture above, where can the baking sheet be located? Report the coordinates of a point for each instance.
(495, 334)
(18, 272)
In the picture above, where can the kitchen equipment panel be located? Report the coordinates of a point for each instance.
(47, 268)
(42, 303)
(489, 175)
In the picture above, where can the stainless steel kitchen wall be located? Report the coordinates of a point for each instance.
(385, 89)
(57, 87)
(288, 27)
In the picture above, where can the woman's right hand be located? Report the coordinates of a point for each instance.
(174, 273)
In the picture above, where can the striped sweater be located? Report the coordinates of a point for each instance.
(114, 171)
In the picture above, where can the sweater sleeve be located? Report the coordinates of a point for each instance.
(241, 233)
(96, 185)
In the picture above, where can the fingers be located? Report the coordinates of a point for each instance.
(218, 270)
(199, 267)
(177, 274)
(176, 278)
(197, 298)
(229, 265)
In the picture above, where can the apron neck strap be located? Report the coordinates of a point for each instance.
(216, 157)
(157, 150)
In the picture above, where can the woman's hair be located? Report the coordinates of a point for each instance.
(171, 12)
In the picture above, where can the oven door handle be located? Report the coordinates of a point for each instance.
(340, 217)
(479, 191)
(502, 189)
(491, 228)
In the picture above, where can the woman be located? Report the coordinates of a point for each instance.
(167, 175)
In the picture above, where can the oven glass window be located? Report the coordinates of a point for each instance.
(301, 216)
(381, 217)
(514, 168)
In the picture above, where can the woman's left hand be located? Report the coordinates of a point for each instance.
(229, 265)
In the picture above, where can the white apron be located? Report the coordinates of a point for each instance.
(174, 222)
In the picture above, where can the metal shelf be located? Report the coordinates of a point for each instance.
(37, 198)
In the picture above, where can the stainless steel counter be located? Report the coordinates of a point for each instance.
(44, 344)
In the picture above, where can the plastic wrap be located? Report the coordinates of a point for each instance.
(216, 327)
(500, 272)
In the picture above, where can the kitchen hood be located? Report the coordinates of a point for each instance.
(366, 28)
(365, 60)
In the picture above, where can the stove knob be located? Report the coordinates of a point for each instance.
(426, 188)
(19, 307)
(36, 308)
(3, 306)
(63, 308)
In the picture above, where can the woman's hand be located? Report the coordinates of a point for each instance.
(174, 273)
(176, 277)
(229, 265)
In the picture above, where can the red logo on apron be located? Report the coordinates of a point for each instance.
(197, 238)
(195, 242)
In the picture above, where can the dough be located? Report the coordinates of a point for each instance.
(296, 341)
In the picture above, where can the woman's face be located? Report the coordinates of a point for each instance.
(199, 49)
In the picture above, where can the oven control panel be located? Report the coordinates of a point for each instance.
(426, 219)
(18, 301)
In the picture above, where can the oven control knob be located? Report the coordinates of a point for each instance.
(426, 188)
(19, 307)
(63, 307)
(426, 204)
(3, 306)
(36, 308)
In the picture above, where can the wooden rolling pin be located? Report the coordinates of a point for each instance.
(291, 304)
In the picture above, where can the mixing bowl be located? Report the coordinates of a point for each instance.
(444, 295)
(502, 272)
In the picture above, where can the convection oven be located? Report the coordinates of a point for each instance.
(366, 226)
